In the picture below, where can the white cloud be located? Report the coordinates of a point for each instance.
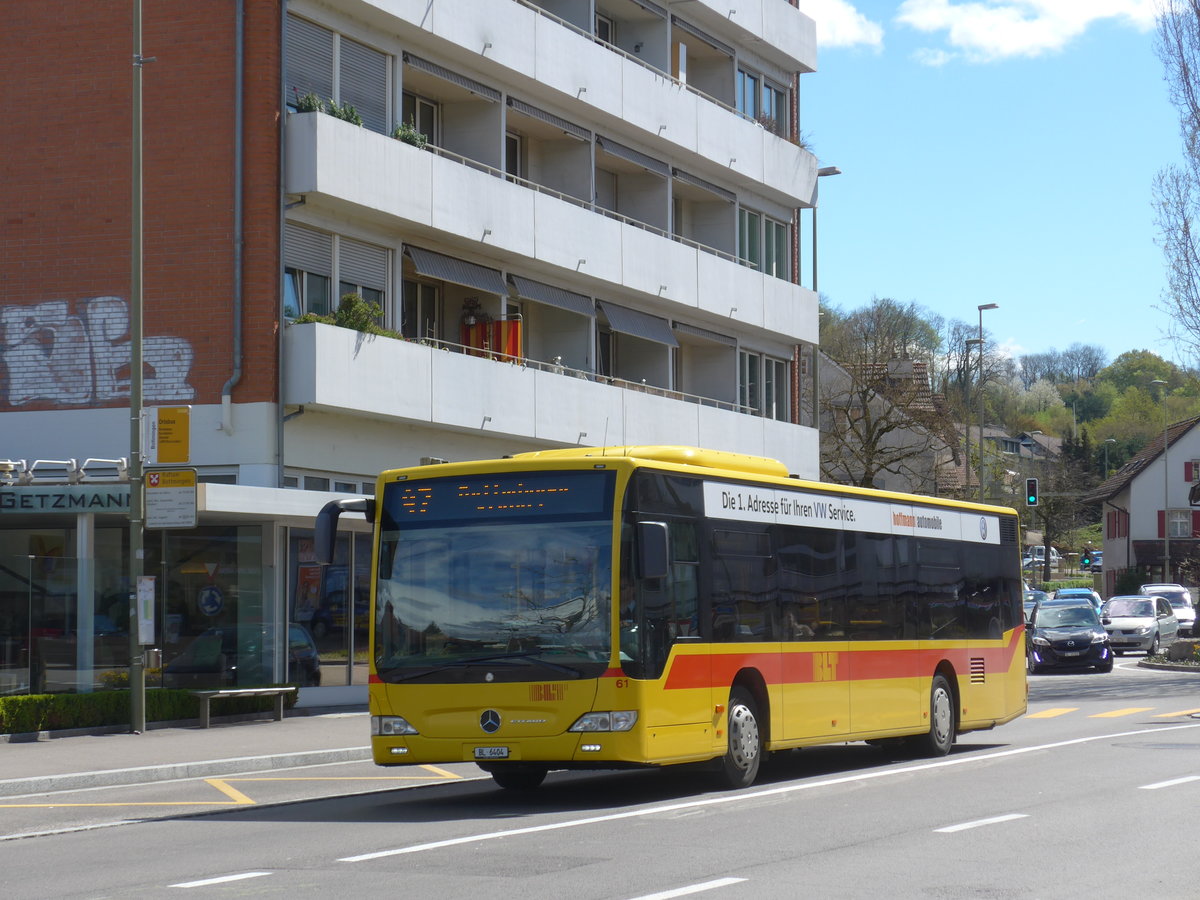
(839, 24)
(988, 30)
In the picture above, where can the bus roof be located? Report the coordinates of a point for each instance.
(677, 455)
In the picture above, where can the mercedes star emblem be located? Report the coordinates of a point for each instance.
(490, 721)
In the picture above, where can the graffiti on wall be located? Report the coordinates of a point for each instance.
(53, 356)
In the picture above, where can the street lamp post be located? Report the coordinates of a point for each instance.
(982, 307)
(1166, 489)
(1107, 441)
(822, 172)
(971, 342)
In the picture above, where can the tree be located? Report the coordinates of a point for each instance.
(1177, 188)
(880, 424)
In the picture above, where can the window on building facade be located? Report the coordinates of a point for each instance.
(513, 155)
(747, 94)
(308, 271)
(605, 30)
(363, 270)
(314, 53)
(1194, 470)
(1180, 523)
(750, 238)
(773, 114)
(776, 258)
(763, 385)
(420, 311)
(421, 113)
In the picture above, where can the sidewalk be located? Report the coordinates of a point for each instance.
(328, 725)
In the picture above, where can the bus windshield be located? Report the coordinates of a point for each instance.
(497, 577)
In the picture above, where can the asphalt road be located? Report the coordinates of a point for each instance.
(1092, 794)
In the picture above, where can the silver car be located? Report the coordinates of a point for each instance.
(1139, 622)
(1180, 599)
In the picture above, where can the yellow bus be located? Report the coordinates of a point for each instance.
(598, 608)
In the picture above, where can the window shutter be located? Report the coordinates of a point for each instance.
(308, 250)
(1196, 523)
(1108, 524)
(363, 264)
(364, 83)
(1162, 522)
(309, 60)
(1187, 472)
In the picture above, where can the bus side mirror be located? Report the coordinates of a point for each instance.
(325, 530)
(653, 558)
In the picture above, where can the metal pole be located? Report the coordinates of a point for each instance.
(982, 307)
(1166, 488)
(137, 672)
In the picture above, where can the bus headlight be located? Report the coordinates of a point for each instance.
(612, 720)
(391, 725)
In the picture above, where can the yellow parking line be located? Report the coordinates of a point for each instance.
(233, 793)
(1117, 713)
(1182, 712)
(1051, 713)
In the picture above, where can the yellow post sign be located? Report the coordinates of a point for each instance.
(170, 435)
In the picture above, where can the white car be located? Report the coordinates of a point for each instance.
(1180, 599)
(1139, 622)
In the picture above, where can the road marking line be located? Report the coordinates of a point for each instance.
(691, 889)
(1171, 783)
(1117, 713)
(1051, 713)
(233, 793)
(981, 822)
(756, 795)
(1182, 712)
(222, 880)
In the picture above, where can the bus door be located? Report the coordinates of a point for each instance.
(815, 671)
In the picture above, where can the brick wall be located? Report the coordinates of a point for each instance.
(67, 175)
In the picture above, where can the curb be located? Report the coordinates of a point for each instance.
(45, 784)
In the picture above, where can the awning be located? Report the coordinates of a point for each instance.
(459, 271)
(550, 119)
(697, 331)
(638, 324)
(703, 35)
(649, 163)
(697, 181)
(553, 296)
(453, 77)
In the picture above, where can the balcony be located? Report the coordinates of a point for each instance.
(350, 171)
(342, 371)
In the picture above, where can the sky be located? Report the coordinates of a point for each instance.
(994, 151)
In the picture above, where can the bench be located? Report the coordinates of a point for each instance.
(207, 697)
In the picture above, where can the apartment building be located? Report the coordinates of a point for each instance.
(579, 220)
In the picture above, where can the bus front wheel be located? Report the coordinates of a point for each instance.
(942, 726)
(519, 778)
(739, 765)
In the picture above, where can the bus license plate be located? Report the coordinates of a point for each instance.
(491, 753)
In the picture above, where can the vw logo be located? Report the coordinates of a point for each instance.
(490, 721)
(1070, 643)
(983, 527)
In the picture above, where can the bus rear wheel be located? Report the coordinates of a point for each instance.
(519, 778)
(942, 725)
(739, 765)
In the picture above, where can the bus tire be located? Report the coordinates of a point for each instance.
(942, 725)
(739, 765)
(519, 778)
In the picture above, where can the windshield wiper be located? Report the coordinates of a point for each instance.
(498, 659)
(530, 655)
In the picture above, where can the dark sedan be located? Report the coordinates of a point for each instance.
(1062, 635)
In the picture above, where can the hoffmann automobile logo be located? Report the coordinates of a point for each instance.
(490, 721)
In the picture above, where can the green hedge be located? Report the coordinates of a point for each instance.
(55, 712)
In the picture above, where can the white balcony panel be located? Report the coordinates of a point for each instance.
(788, 36)
(731, 141)
(483, 395)
(788, 169)
(570, 407)
(338, 368)
(577, 239)
(661, 107)
(581, 69)
(790, 309)
(473, 26)
(331, 157)
(482, 207)
(658, 265)
(730, 290)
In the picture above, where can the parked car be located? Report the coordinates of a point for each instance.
(1062, 634)
(1098, 561)
(1180, 599)
(1032, 599)
(1139, 622)
(1080, 594)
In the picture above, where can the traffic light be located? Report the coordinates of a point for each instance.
(1031, 492)
(1085, 559)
